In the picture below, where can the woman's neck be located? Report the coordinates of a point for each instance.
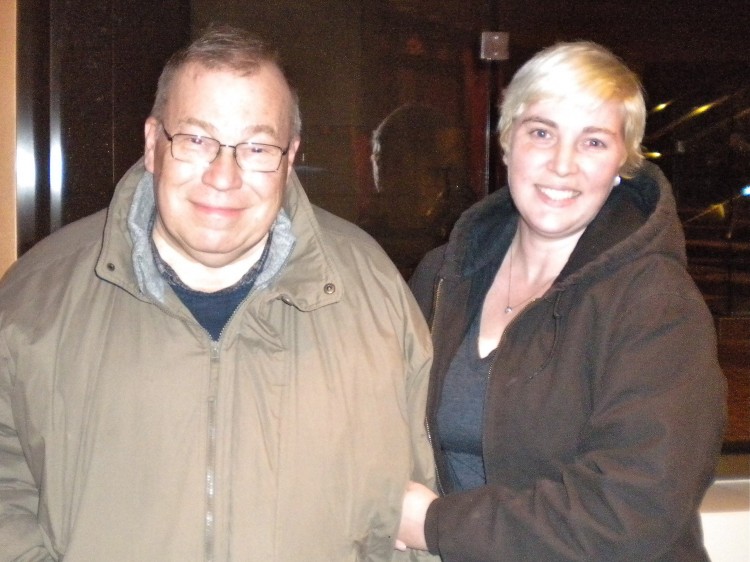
(537, 259)
(529, 268)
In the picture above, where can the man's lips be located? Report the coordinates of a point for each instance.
(217, 210)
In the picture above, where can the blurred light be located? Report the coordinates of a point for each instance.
(661, 107)
(719, 210)
(25, 169)
(745, 191)
(56, 175)
(652, 155)
(686, 117)
(701, 109)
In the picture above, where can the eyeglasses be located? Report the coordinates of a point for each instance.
(250, 156)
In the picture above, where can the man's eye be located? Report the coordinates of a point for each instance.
(259, 149)
(540, 133)
(196, 140)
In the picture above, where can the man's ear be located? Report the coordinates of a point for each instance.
(291, 154)
(151, 133)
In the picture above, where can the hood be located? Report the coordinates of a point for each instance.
(314, 281)
(638, 217)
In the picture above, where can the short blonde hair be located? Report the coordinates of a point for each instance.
(569, 69)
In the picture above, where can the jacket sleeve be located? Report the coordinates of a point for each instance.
(419, 348)
(21, 539)
(418, 360)
(644, 461)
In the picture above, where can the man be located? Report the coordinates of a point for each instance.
(214, 369)
(418, 170)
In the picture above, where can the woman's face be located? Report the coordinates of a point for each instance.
(563, 159)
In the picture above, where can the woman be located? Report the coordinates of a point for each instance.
(576, 407)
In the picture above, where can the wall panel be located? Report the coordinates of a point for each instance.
(8, 223)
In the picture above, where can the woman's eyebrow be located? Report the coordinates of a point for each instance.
(600, 130)
(538, 119)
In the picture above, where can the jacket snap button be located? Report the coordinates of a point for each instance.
(111, 266)
(329, 288)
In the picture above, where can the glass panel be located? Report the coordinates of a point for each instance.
(409, 69)
(699, 133)
(394, 108)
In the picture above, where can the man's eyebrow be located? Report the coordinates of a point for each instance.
(198, 123)
(250, 130)
(261, 129)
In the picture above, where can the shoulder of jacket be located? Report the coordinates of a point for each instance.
(72, 247)
(346, 238)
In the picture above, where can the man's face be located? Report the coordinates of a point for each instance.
(217, 214)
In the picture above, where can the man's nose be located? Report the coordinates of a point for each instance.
(223, 172)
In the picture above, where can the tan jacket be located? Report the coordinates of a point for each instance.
(127, 434)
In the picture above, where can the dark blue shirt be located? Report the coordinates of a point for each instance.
(461, 412)
(212, 310)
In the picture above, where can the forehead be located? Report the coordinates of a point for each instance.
(227, 98)
(580, 111)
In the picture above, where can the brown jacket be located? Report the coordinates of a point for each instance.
(605, 403)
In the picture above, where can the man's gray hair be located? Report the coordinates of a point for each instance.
(224, 47)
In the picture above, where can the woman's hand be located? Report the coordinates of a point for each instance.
(417, 499)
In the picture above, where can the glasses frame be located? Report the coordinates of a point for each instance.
(170, 138)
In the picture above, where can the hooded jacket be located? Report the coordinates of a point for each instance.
(126, 433)
(605, 406)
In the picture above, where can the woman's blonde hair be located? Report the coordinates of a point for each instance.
(569, 69)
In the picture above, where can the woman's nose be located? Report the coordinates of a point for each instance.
(563, 159)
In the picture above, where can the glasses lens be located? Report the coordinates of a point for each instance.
(258, 157)
(194, 148)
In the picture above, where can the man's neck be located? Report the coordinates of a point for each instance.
(201, 277)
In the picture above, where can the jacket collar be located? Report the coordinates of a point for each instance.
(297, 265)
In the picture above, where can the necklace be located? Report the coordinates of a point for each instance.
(508, 308)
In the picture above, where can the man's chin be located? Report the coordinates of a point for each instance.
(217, 256)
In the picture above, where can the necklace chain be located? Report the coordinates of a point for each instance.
(508, 308)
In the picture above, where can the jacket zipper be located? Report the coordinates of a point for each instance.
(209, 522)
(428, 430)
(211, 439)
(210, 491)
(435, 302)
(495, 353)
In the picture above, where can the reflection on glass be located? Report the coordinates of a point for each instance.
(419, 175)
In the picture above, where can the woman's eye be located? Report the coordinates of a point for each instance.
(596, 143)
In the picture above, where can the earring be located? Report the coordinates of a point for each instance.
(617, 181)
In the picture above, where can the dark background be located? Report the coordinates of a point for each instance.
(87, 72)
(90, 68)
